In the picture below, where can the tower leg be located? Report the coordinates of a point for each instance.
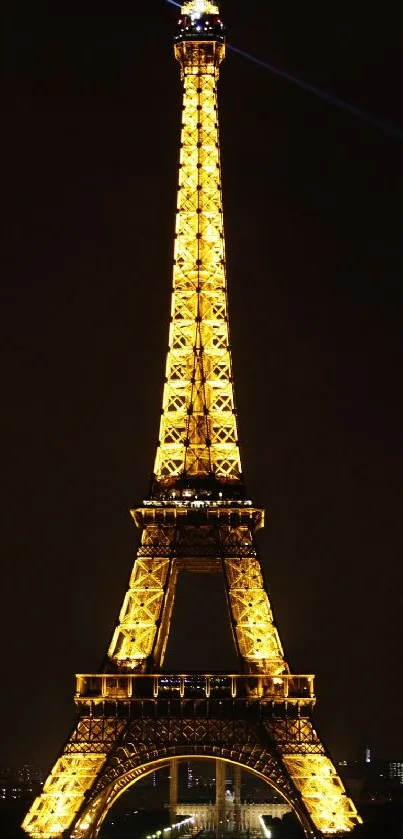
(221, 824)
(107, 752)
(173, 789)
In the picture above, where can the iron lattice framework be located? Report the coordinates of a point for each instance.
(133, 718)
(198, 433)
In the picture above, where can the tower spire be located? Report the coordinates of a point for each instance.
(195, 8)
(198, 440)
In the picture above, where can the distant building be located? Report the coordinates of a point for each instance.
(373, 780)
(20, 782)
(396, 770)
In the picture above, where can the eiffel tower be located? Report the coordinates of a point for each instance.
(132, 717)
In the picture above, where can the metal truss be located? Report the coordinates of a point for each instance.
(266, 727)
(198, 431)
(72, 776)
(132, 720)
(84, 785)
(144, 620)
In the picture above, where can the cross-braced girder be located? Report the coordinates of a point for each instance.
(135, 718)
(273, 738)
(209, 544)
(198, 431)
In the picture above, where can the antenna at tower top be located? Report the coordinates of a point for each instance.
(195, 8)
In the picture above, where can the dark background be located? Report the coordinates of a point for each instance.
(313, 215)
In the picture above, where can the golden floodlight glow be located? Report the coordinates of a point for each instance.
(197, 518)
(198, 430)
(196, 8)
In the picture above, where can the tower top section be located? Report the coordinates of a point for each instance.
(196, 8)
(200, 23)
(198, 452)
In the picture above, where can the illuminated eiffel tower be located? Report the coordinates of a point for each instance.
(132, 717)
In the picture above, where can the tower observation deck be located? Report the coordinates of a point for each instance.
(133, 717)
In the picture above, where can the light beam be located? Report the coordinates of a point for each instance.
(388, 128)
(394, 131)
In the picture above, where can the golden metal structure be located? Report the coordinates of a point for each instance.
(198, 432)
(133, 718)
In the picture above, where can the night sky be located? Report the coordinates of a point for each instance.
(313, 214)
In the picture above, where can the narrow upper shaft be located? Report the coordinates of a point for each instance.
(198, 439)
